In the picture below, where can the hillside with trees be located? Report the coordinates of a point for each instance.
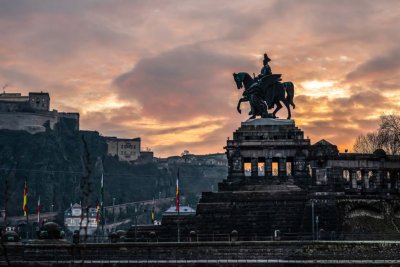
(65, 166)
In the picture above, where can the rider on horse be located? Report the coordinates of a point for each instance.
(266, 69)
(267, 80)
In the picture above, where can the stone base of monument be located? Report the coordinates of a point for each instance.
(279, 186)
(255, 215)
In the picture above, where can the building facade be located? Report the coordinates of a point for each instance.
(73, 219)
(125, 149)
(31, 113)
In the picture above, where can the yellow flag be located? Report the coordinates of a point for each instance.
(25, 207)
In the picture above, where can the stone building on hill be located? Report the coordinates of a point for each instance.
(125, 149)
(31, 113)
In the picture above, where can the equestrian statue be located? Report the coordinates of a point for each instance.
(264, 92)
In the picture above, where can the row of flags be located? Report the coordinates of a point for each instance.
(25, 204)
(99, 205)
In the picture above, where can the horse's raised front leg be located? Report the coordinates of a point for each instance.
(243, 99)
(278, 107)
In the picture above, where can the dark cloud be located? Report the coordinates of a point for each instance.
(183, 83)
(385, 66)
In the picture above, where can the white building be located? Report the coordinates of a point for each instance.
(73, 218)
(125, 149)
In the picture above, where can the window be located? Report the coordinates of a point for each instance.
(275, 168)
(247, 169)
(261, 168)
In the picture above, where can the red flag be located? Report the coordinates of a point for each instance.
(177, 193)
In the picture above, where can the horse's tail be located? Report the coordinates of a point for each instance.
(289, 88)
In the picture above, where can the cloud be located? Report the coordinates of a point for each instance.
(379, 67)
(162, 70)
(182, 83)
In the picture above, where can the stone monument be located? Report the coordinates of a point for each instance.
(279, 186)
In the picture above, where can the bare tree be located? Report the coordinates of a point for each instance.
(387, 137)
(367, 143)
(389, 129)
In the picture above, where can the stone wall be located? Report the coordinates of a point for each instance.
(273, 253)
(30, 122)
(34, 122)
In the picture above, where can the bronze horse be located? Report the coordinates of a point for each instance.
(282, 92)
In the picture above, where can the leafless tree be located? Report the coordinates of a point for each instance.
(367, 143)
(389, 129)
(387, 137)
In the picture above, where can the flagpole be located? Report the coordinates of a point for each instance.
(153, 213)
(178, 207)
(38, 211)
(6, 201)
(26, 208)
(102, 202)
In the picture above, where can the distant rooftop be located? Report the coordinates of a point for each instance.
(184, 210)
(114, 138)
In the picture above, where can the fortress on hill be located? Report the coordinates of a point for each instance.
(31, 113)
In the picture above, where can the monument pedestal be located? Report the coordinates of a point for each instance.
(263, 191)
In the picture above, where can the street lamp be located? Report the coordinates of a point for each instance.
(312, 217)
(135, 223)
(114, 210)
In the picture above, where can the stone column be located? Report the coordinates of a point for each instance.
(254, 167)
(396, 175)
(314, 175)
(388, 179)
(268, 167)
(353, 177)
(393, 180)
(379, 178)
(282, 167)
(365, 178)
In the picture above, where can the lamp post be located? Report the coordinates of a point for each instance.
(317, 221)
(312, 217)
(135, 222)
(114, 210)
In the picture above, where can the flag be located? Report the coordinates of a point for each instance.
(177, 193)
(25, 206)
(152, 213)
(101, 190)
(97, 211)
(101, 199)
(38, 210)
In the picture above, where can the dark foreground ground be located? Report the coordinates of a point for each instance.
(269, 253)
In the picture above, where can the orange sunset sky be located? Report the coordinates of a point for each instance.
(162, 70)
